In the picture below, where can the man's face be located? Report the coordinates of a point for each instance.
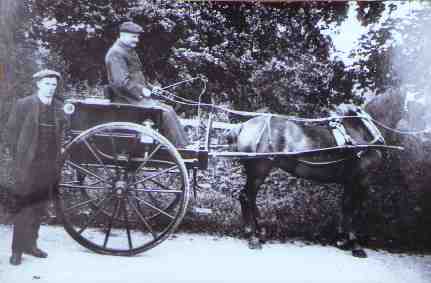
(130, 39)
(47, 87)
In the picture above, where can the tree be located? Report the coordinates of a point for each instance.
(17, 54)
(395, 58)
(254, 55)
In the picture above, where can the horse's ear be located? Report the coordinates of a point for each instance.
(345, 109)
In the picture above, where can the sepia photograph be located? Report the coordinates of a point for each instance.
(215, 141)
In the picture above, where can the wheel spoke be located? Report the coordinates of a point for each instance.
(88, 172)
(159, 191)
(93, 183)
(111, 220)
(165, 187)
(79, 205)
(154, 200)
(154, 207)
(126, 218)
(95, 214)
(148, 157)
(156, 162)
(81, 187)
(142, 218)
(91, 149)
(69, 183)
(154, 175)
(86, 187)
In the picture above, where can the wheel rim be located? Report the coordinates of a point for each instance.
(124, 189)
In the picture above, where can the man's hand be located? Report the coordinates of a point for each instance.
(146, 92)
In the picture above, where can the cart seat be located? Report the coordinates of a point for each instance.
(90, 112)
(114, 94)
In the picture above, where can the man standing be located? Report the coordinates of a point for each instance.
(33, 133)
(129, 85)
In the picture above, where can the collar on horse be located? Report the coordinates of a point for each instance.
(343, 138)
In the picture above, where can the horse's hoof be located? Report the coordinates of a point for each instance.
(359, 253)
(254, 244)
(248, 232)
(344, 245)
(262, 236)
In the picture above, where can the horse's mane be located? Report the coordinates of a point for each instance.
(345, 109)
(387, 108)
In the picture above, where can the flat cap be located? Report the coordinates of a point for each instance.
(46, 73)
(131, 27)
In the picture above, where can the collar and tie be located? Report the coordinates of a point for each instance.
(46, 115)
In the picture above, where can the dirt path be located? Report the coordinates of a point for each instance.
(203, 258)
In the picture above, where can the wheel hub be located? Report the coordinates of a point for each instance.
(120, 187)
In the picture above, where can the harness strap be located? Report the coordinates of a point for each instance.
(266, 125)
(340, 134)
(371, 127)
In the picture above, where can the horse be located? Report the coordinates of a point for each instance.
(352, 168)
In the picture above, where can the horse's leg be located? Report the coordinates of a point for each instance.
(368, 162)
(256, 173)
(245, 210)
(359, 217)
(346, 219)
(352, 217)
(255, 241)
(250, 205)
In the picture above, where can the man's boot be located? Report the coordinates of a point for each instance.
(36, 252)
(16, 258)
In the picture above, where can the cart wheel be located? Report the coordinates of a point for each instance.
(124, 189)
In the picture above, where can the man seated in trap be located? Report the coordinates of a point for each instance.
(129, 85)
(33, 134)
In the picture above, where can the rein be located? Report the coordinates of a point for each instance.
(199, 104)
(267, 124)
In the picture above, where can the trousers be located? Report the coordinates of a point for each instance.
(32, 207)
(171, 125)
(26, 226)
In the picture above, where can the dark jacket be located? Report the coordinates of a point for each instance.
(22, 135)
(126, 80)
(124, 70)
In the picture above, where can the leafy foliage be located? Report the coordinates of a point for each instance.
(16, 54)
(254, 55)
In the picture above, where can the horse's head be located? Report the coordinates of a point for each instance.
(355, 128)
(387, 108)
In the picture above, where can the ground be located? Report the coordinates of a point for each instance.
(201, 258)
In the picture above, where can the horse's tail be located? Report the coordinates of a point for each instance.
(232, 135)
